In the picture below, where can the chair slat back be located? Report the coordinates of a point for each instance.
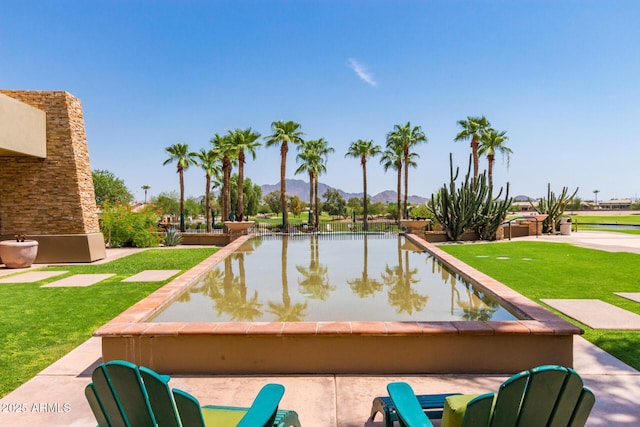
(568, 400)
(507, 406)
(128, 386)
(96, 406)
(108, 398)
(550, 396)
(478, 412)
(188, 409)
(582, 409)
(160, 398)
(544, 388)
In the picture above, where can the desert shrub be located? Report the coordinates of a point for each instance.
(123, 227)
(172, 237)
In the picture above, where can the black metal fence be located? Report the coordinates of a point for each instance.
(333, 227)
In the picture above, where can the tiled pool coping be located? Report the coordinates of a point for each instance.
(125, 335)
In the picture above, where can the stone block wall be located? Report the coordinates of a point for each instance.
(54, 195)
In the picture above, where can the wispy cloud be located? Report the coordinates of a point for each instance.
(362, 72)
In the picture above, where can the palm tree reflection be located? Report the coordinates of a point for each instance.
(229, 292)
(400, 278)
(314, 281)
(364, 286)
(286, 312)
(475, 305)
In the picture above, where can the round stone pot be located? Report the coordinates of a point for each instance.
(18, 254)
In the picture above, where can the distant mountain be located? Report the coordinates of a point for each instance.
(300, 188)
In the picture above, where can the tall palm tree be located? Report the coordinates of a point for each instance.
(209, 161)
(493, 141)
(392, 158)
(473, 127)
(145, 188)
(244, 140)
(226, 152)
(407, 137)
(364, 150)
(180, 154)
(314, 154)
(283, 134)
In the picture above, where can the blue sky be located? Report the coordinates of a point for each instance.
(561, 77)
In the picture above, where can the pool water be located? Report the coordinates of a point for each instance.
(356, 277)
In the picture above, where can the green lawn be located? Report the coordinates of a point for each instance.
(560, 270)
(612, 219)
(40, 325)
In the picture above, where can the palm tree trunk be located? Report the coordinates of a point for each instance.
(317, 202)
(207, 203)
(226, 190)
(399, 192)
(406, 181)
(283, 185)
(240, 207)
(311, 198)
(180, 172)
(491, 159)
(474, 153)
(365, 223)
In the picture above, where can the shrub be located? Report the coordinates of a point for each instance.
(123, 227)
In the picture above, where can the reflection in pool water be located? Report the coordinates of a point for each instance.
(329, 278)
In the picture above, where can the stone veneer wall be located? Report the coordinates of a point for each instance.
(55, 195)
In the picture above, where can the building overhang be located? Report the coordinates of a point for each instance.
(23, 129)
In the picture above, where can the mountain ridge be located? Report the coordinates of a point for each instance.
(300, 188)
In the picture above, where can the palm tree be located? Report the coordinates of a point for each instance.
(244, 140)
(180, 154)
(407, 137)
(392, 159)
(283, 134)
(313, 154)
(208, 160)
(491, 142)
(473, 127)
(364, 149)
(225, 151)
(145, 188)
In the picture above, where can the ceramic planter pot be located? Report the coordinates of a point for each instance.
(18, 254)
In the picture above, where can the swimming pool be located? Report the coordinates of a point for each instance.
(346, 277)
(537, 337)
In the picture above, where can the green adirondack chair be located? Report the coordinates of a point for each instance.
(123, 394)
(549, 395)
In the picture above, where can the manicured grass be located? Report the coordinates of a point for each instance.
(612, 219)
(40, 325)
(559, 270)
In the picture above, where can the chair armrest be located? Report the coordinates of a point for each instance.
(264, 408)
(407, 405)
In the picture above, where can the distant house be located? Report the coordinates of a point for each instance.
(615, 204)
(523, 204)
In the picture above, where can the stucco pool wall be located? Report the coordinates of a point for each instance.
(339, 347)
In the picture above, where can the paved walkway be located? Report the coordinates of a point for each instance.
(55, 396)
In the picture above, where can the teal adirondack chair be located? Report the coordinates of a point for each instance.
(123, 394)
(548, 395)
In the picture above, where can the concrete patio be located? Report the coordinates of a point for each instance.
(55, 396)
